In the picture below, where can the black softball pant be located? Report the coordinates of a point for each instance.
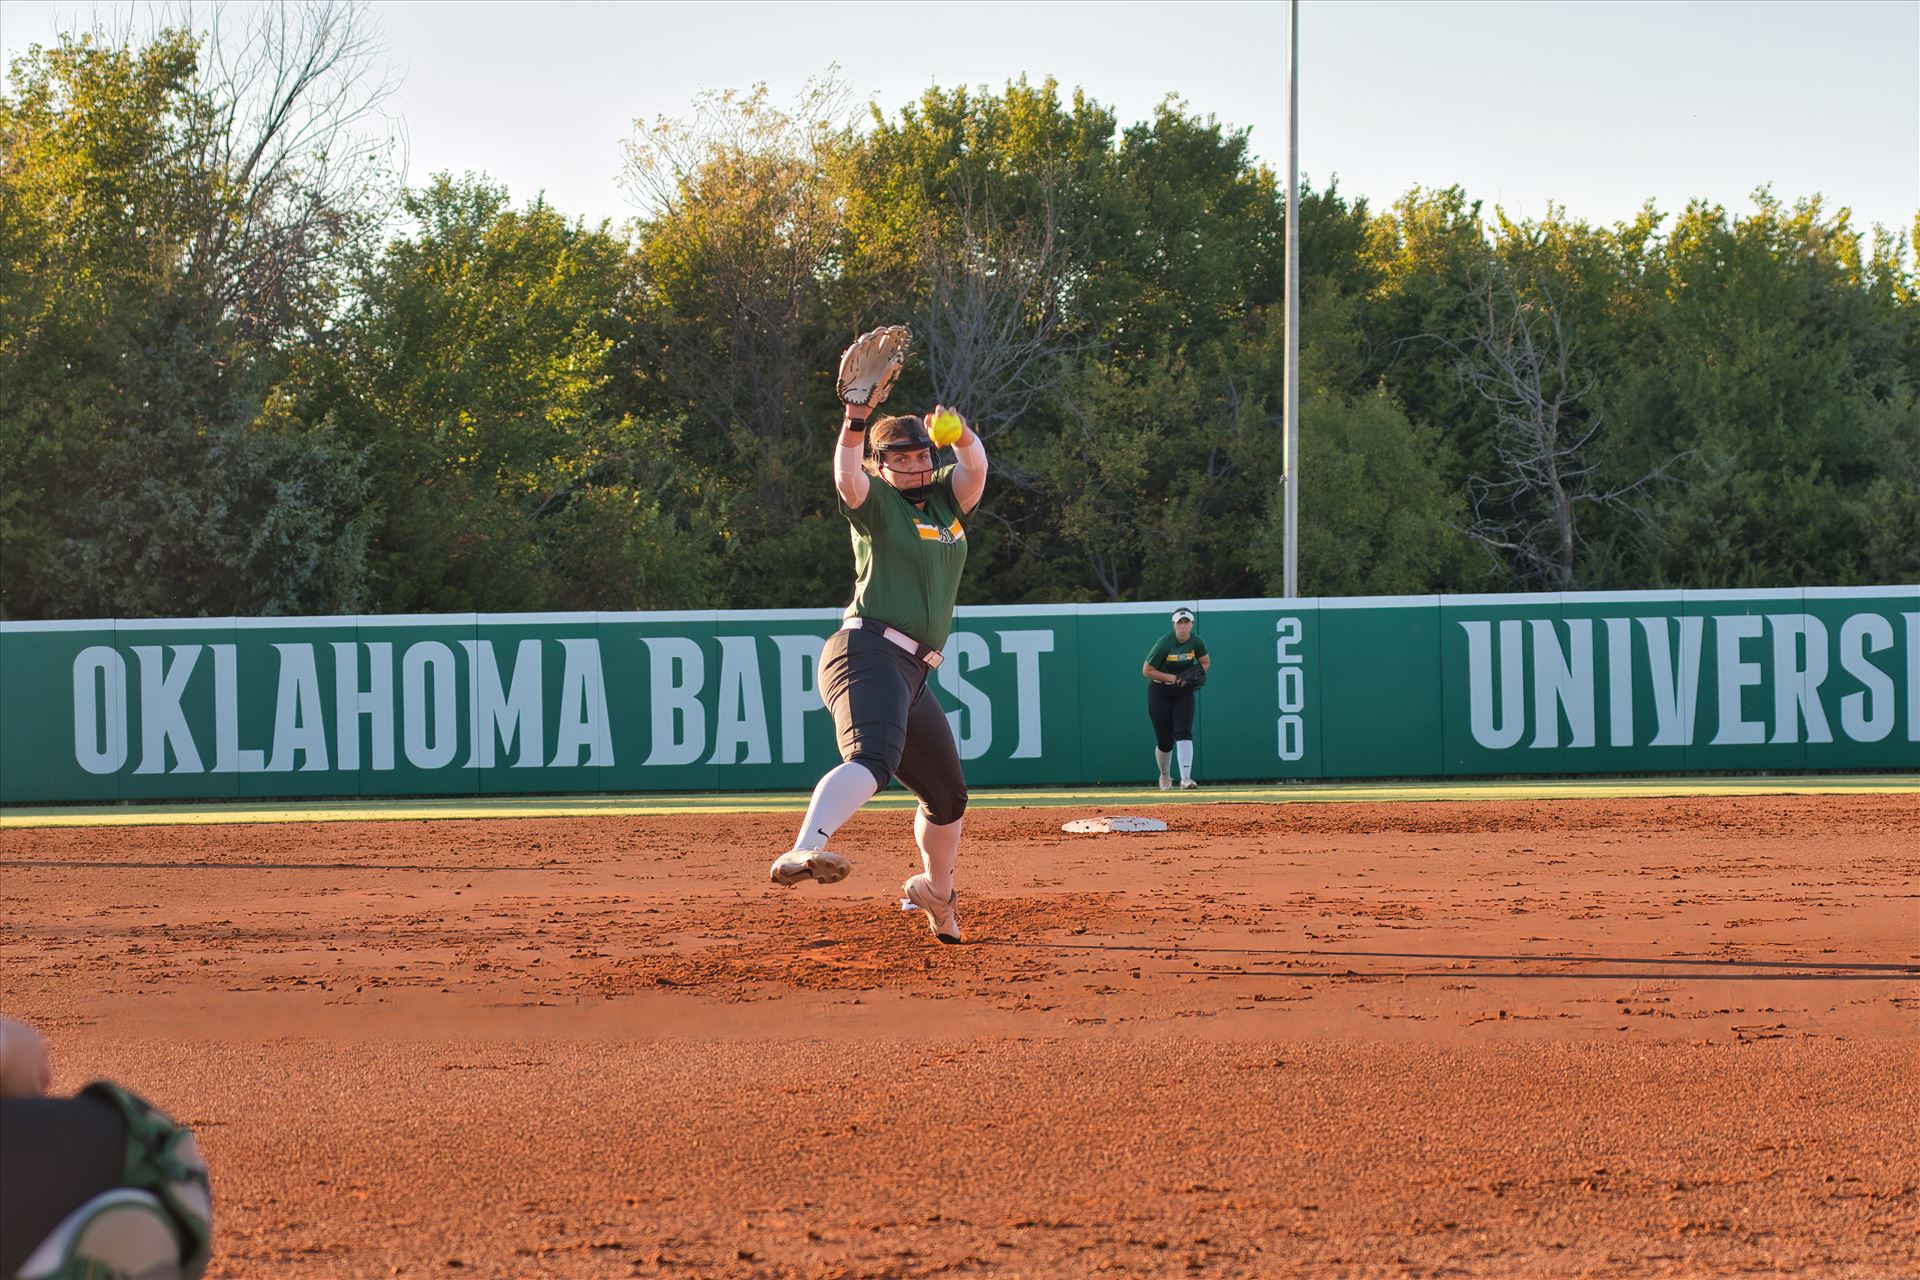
(55, 1155)
(1170, 707)
(887, 719)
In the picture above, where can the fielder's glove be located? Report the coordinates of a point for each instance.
(1193, 677)
(868, 367)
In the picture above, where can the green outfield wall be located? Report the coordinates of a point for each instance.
(1421, 686)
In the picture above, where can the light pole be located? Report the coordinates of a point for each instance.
(1290, 478)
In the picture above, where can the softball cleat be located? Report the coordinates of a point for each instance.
(1166, 783)
(817, 865)
(1188, 784)
(942, 917)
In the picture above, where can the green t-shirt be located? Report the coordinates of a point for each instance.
(1172, 657)
(907, 562)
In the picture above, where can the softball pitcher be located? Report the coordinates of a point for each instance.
(909, 548)
(1175, 669)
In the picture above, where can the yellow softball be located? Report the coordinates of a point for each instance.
(945, 426)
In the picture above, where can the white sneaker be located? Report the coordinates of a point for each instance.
(1188, 784)
(817, 865)
(1166, 783)
(942, 917)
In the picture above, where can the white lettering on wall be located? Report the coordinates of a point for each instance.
(514, 713)
(375, 702)
(1562, 679)
(1782, 679)
(799, 678)
(740, 718)
(228, 755)
(1496, 735)
(967, 651)
(679, 722)
(100, 709)
(1026, 648)
(1619, 682)
(430, 736)
(1675, 685)
(1736, 676)
(163, 723)
(1866, 716)
(1290, 738)
(1913, 676)
(1796, 684)
(298, 726)
(584, 723)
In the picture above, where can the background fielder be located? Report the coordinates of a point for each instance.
(1175, 669)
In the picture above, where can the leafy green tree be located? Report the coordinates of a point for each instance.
(1780, 372)
(1425, 255)
(735, 256)
(1375, 515)
(144, 467)
(978, 214)
(227, 384)
(1149, 470)
(481, 367)
(1890, 504)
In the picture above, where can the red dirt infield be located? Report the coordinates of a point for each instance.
(1565, 1038)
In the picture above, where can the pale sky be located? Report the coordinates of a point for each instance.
(1598, 106)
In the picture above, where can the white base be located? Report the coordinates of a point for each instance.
(1115, 822)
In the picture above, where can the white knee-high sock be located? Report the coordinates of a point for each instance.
(837, 797)
(1164, 759)
(1184, 749)
(939, 850)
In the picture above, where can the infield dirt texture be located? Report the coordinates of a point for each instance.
(1543, 1038)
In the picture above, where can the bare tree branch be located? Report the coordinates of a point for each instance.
(992, 320)
(1521, 359)
(309, 163)
(742, 215)
(300, 163)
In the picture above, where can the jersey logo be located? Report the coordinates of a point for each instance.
(946, 537)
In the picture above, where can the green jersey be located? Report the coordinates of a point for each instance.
(906, 561)
(1172, 657)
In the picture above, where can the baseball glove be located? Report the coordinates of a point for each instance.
(1193, 677)
(869, 367)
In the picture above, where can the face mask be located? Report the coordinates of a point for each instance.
(916, 493)
(912, 493)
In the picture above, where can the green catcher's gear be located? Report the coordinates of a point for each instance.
(158, 1226)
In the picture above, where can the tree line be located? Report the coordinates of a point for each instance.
(245, 370)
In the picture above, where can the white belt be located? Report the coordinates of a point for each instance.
(929, 656)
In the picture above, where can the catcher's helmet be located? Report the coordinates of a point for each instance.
(905, 434)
